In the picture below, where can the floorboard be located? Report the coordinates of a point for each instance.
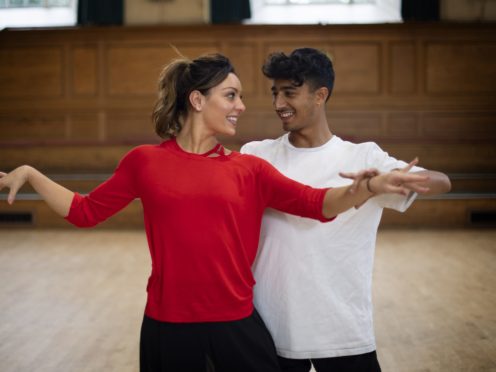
(74, 300)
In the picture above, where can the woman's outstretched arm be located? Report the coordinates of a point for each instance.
(56, 196)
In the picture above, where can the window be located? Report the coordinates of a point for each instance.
(34, 3)
(37, 13)
(306, 2)
(324, 11)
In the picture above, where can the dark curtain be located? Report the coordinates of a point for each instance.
(100, 12)
(420, 10)
(229, 11)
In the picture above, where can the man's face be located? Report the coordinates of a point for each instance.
(296, 106)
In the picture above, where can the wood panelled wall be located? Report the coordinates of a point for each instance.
(77, 99)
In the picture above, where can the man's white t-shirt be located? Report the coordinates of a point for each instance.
(314, 279)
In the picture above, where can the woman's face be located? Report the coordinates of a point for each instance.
(222, 106)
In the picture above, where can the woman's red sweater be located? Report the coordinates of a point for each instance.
(202, 219)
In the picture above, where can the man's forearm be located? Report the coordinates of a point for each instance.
(438, 183)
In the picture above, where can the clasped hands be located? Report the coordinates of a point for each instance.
(397, 181)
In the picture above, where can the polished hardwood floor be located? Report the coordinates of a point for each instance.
(72, 300)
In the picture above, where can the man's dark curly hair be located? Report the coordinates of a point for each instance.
(304, 65)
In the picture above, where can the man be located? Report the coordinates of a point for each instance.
(314, 280)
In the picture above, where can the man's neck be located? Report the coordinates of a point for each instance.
(310, 137)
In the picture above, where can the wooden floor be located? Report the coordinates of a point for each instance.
(72, 300)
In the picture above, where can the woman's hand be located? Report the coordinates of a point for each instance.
(56, 196)
(358, 177)
(14, 181)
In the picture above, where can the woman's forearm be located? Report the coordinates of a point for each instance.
(438, 183)
(56, 196)
(340, 199)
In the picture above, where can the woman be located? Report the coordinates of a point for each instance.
(202, 207)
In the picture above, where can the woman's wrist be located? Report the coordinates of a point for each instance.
(26, 172)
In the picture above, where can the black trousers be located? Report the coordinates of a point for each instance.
(354, 363)
(236, 346)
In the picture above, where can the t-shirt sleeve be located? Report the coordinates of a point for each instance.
(108, 198)
(249, 148)
(380, 159)
(286, 195)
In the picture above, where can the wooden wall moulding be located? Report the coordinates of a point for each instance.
(84, 127)
(357, 125)
(123, 125)
(399, 85)
(133, 69)
(84, 70)
(246, 57)
(460, 127)
(468, 158)
(460, 68)
(26, 126)
(31, 71)
(402, 68)
(60, 158)
(402, 125)
(358, 68)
